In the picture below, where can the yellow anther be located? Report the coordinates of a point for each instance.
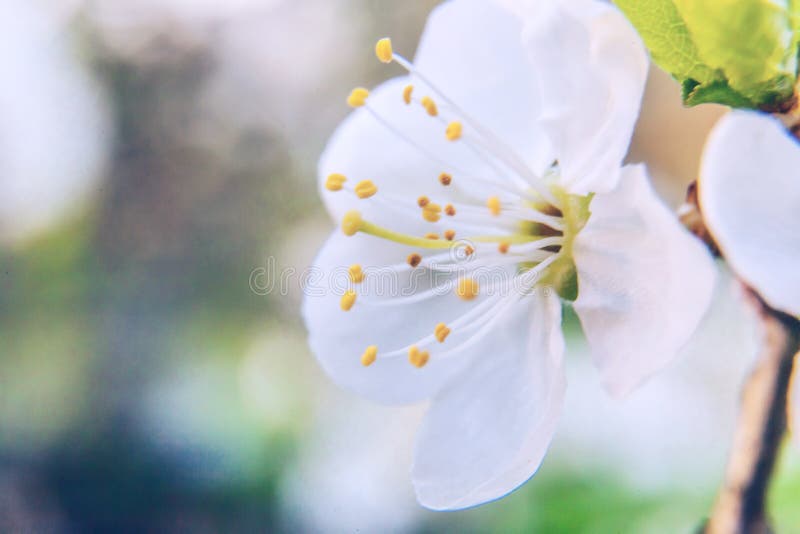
(450, 210)
(356, 273)
(414, 259)
(383, 49)
(423, 201)
(467, 288)
(357, 97)
(502, 248)
(408, 90)
(453, 131)
(432, 212)
(429, 105)
(431, 235)
(369, 356)
(348, 299)
(365, 189)
(445, 179)
(493, 203)
(418, 358)
(441, 332)
(469, 250)
(449, 234)
(334, 182)
(351, 222)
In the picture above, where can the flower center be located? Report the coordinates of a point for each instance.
(528, 223)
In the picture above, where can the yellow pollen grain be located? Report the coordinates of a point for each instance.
(453, 131)
(467, 288)
(414, 259)
(449, 234)
(408, 90)
(348, 299)
(432, 212)
(445, 179)
(356, 273)
(469, 251)
(383, 49)
(431, 235)
(429, 105)
(502, 248)
(369, 356)
(335, 182)
(351, 222)
(423, 201)
(449, 210)
(441, 332)
(418, 358)
(365, 189)
(357, 97)
(493, 203)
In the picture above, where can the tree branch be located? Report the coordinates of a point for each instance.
(741, 504)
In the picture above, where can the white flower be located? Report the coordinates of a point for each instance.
(496, 142)
(750, 196)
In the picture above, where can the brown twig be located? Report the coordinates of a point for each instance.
(740, 507)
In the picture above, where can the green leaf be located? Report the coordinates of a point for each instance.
(741, 53)
(666, 35)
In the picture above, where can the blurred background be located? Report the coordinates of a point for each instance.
(154, 154)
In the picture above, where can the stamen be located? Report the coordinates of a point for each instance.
(449, 234)
(467, 288)
(502, 248)
(418, 358)
(414, 259)
(352, 223)
(453, 131)
(335, 182)
(469, 250)
(445, 179)
(365, 189)
(431, 212)
(407, 92)
(423, 201)
(431, 235)
(429, 105)
(369, 356)
(357, 97)
(356, 273)
(383, 49)
(449, 210)
(441, 332)
(493, 203)
(348, 299)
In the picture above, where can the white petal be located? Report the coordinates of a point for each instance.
(644, 282)
(592, 68)
(750, 196)
(487, 432)
(338, 338)
(473, 51)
